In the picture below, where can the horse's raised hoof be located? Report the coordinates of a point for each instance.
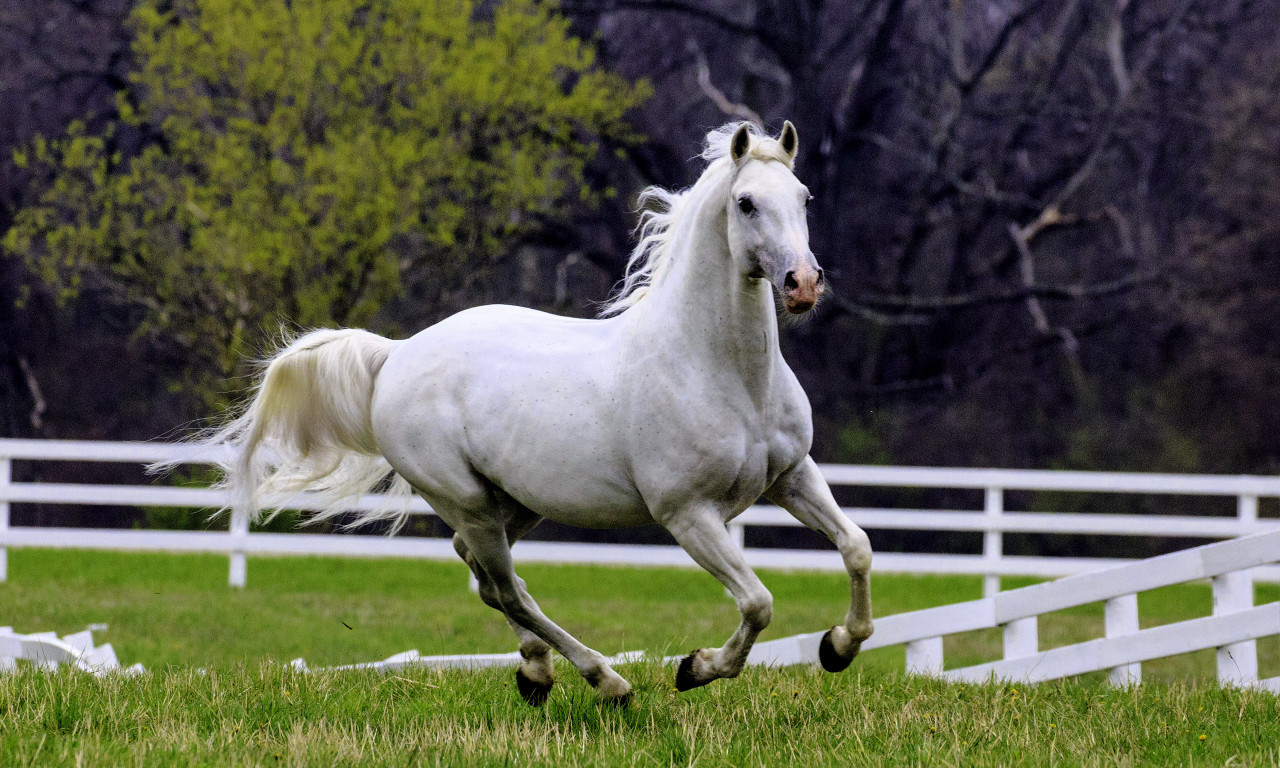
(832, 661)
(620, 702)
(686, 680)
(534, 693)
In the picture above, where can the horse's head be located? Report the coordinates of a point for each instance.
(768, 230)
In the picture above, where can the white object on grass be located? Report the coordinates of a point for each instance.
(47, 651)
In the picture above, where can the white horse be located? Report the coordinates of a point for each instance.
(676, 408)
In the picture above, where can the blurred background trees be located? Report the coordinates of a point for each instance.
(304, 163)
(1051, 227)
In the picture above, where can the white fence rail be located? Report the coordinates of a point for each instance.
(993, 521)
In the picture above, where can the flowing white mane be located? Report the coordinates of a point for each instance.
(662, 211)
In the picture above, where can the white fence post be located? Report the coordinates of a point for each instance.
(6, 466)
(1021, 638)
(993, 541)
(239, 531)
(1237, 662)
(924, 657)
(1121, 618)
(1247, 512)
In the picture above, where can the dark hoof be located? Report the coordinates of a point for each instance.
(685, 681)
(621, 702)
(832, 661)
(534, 693)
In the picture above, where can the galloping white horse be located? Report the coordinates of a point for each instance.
(676, 408)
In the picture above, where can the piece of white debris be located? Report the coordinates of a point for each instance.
(410, 659)
(46, 650)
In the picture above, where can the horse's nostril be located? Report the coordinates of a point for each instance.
(821, 277)
(790, 282)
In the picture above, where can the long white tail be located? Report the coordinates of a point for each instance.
(308, 429)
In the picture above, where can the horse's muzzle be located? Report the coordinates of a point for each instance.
(801, 289)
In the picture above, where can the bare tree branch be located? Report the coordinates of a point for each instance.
(730, 108)
(965, 300)
(870, 315)
(38, 404)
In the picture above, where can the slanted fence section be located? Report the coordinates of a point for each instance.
(1232, 630)
(993, 521)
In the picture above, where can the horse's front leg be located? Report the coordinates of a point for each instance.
(802, 492)
(702, 534)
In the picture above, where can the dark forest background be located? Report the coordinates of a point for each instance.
(1052, 229)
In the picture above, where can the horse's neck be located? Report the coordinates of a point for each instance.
(707, 309)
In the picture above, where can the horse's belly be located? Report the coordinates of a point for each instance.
(560, 458)
(580, 500)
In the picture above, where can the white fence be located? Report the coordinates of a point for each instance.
(1232, 630)
(993, 521)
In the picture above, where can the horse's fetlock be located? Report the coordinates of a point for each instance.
(536, 651)
(861, 630)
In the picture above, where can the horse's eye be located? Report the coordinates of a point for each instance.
(808, 200)
(746, 206)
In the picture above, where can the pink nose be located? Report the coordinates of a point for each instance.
(801, 289)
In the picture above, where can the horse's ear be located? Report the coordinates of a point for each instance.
(740, 143)
(788, 140)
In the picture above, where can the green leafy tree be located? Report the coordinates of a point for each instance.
(311, 157)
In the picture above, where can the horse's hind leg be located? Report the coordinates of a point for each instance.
(485, 539)
(702, 534)
(803, 493)
(535, 675)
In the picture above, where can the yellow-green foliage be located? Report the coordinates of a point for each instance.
(311, 154)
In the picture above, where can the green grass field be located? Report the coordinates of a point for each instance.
(175, 613)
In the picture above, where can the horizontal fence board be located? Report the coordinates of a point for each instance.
(1175, 568)
(97, 538)
(538, 551)
(787, 651)
(918, 625)
(839, 474)
(115, 495)
(1238, 554)
(171, 496)
(1086, 588)
(875, 519)
(1144, 645)
(123, 451)
(1051, 480)
(1025, 522)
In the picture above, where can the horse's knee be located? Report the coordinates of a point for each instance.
(757, 609)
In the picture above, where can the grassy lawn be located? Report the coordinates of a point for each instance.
(175, 613)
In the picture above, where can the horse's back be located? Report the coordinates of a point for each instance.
(519, 397)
